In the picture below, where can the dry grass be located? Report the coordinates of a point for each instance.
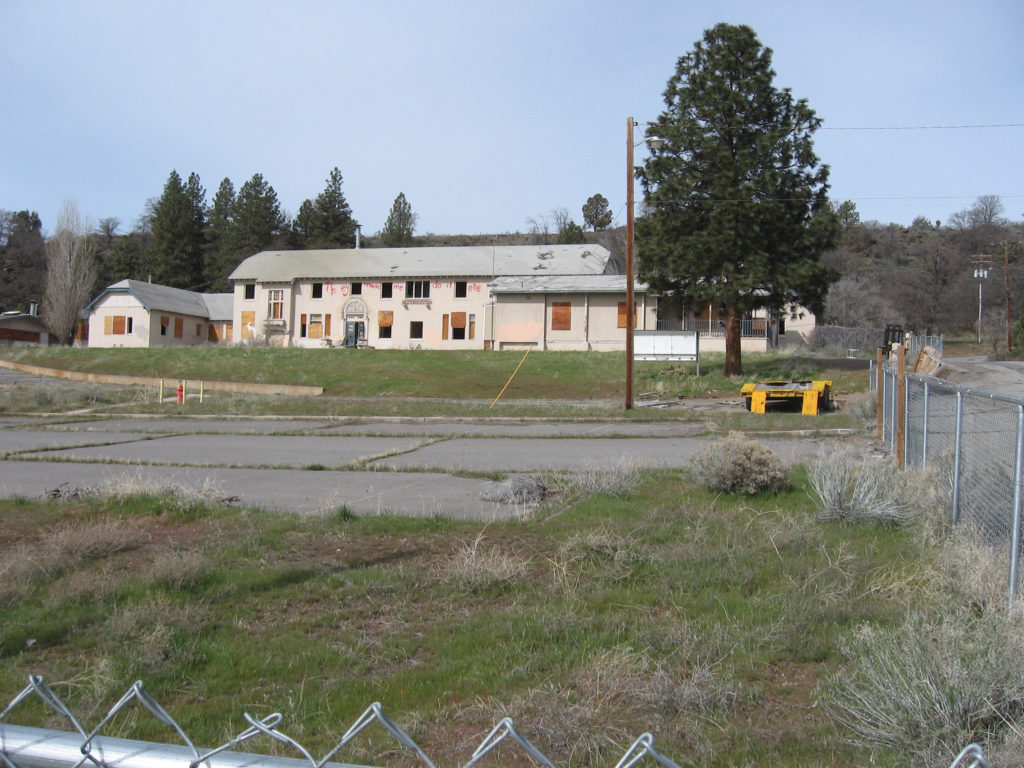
(736, 464)
(853, 487)
(475, 566)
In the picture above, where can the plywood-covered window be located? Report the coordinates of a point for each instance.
(248, 325)
(622, 314)
(117, 325)
(458, 325)
(179, 327)
(561, 316)
(165, 323)
(316, 326)
(385, 319)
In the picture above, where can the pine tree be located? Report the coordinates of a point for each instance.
(219, 258)
(738, 212)
(169, 259)
(401, 222)
(595, 212)
(256, 218)
(327, 221)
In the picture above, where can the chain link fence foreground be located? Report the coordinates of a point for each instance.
(27, 747)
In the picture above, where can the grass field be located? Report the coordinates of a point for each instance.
(709, 621)
(421, 382)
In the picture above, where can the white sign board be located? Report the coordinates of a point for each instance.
(683, 346)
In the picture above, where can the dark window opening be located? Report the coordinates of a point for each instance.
(460, 289)
(385, 290)
(250, 291)
(416, 329)
(417, 289)
(385, 332)
(318, 290)
(357, 289)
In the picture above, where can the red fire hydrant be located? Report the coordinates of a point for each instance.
(181, 393)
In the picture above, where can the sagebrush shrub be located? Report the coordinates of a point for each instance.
(849, 487)
(736, 464)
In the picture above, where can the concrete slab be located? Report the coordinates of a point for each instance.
(19, 440)
(195, 426)
(231, 450)
(301, 492)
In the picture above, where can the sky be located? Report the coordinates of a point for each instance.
(485, 114)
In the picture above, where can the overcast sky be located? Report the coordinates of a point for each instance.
(484, 114)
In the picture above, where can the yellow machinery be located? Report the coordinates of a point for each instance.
(814, 395)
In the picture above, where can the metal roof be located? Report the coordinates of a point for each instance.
(564, 284)
(484, 261)
(163, 298)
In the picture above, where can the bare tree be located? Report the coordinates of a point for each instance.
(70, 272)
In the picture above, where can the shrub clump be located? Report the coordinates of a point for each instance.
(848, 487)
(738, 465)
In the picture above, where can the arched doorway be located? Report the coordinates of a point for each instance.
(354, 316)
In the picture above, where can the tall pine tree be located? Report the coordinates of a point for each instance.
(400, 224)
(738, 211)
(219, 258)
(256, 218)
(169, 259)
(327, 221)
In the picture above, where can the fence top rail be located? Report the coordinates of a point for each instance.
(943, 384)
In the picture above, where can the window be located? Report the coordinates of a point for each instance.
(561, 316)
(472, 327)
(179, 327)
(385, 290)
(417, 289)
(460, 289)
(248, 325)
(117, 325)
(318, 290)
(275, 304)
(384, 332)
(164, 322)
(622, 314)
(250, 291)
(357, 289)
(416, 329)
(199, 329)
(458, 325)
(313, 328)
(385, 319)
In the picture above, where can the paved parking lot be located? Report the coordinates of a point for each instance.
(316, 465)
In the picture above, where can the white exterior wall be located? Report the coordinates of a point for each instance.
(125, 306)
(343, 302)
(523, 320)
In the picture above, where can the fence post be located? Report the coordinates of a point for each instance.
(901, 406)
(957, 458)
(924, 428)
(1018, 470)
(879, 394)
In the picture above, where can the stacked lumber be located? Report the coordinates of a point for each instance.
(928, 362)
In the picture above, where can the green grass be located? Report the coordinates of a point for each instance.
(708, 620)
(422, 383)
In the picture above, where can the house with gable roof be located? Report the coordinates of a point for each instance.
(132, 313)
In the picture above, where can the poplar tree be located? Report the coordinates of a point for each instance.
(738, 214)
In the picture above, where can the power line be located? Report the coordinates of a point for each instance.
(919, 127)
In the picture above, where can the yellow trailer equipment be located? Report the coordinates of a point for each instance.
(814, 395)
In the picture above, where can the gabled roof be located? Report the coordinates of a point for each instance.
(484, 261)
(162, 298)
(564, 284)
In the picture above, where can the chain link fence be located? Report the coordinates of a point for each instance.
(28, 747)
(974, 440)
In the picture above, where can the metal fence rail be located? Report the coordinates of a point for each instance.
(974, 440)
(27, 747)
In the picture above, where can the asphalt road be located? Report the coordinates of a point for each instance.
(315, 466)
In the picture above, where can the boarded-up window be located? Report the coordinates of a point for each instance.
(385, 318)
(108, 325)
(248, 325)
(472, 327)
(179, 327)
(444, 327)
(561, 316)
(316, 326)
(327, 326)
(458, 319)
(164, 322)
(119, 325)
(622, 314)
(116, 324)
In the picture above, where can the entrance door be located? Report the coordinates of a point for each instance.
(355, 331)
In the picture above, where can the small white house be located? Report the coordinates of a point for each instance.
(18, 329)
(131, 313)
